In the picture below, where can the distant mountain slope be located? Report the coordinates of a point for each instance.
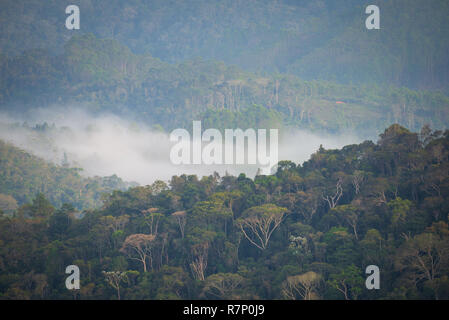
(411, 49)
(23, 175)
(314, 39)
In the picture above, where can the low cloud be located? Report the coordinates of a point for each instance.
(104, 145)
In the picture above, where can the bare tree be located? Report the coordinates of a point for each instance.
(332, 200)
(308, 204)
(181, 218)
(199, 260)
(120, 222)
(112, 225)
(113, 278)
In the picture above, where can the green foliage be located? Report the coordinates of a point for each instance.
(103, 75)
(240, 243)
(314, 40)
(24, 177)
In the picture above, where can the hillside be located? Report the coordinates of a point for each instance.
(355, 201)
(382, 204)
(315, 40)
(23, 176)
(102, 75)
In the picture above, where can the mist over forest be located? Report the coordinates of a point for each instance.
(104, 145)
(91, 92)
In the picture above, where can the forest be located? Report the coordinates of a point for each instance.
(71, 100)
(104, 76)
(23, 175)
(312, 39)
(306, 232)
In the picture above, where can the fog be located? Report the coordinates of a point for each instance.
(104, 145)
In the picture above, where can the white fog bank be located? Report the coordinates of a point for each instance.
(107, 145)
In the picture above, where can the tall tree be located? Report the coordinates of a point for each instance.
(139, 247)
(258, 223)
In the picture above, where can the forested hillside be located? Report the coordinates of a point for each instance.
(102, 75)
(315, 226)
(107, 95)
(23, 176)
(313, 39)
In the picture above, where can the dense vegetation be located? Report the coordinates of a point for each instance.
(23, 175)
(306, 232)
(104, 76)
(313, 39)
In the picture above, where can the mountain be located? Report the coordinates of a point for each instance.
(23, 176)
(103, 75)
(312, 39)
(318, 224)
(105, 97)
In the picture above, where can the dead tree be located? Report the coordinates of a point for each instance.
(114, 278)
(181, 218)
(199, 260)
(305, 286)
(357, 180)
(332, 200)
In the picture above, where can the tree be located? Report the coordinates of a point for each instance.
(39, 208)
(222, 285)
(305, 285)
(181, 219)
(258, 223)
(308, 204)
(172, 283)
(399, 209)
(211, 214)
(199, 241)
(114, 278)
(358, 178)
(139, 247)
(111, 226)
(332, 200)
(119, 223)
(152, 217)
(7, 203)
(61, 220)
(348, 281)
(373, 247)
(350, 215)
(199, 259)
(425, 257)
